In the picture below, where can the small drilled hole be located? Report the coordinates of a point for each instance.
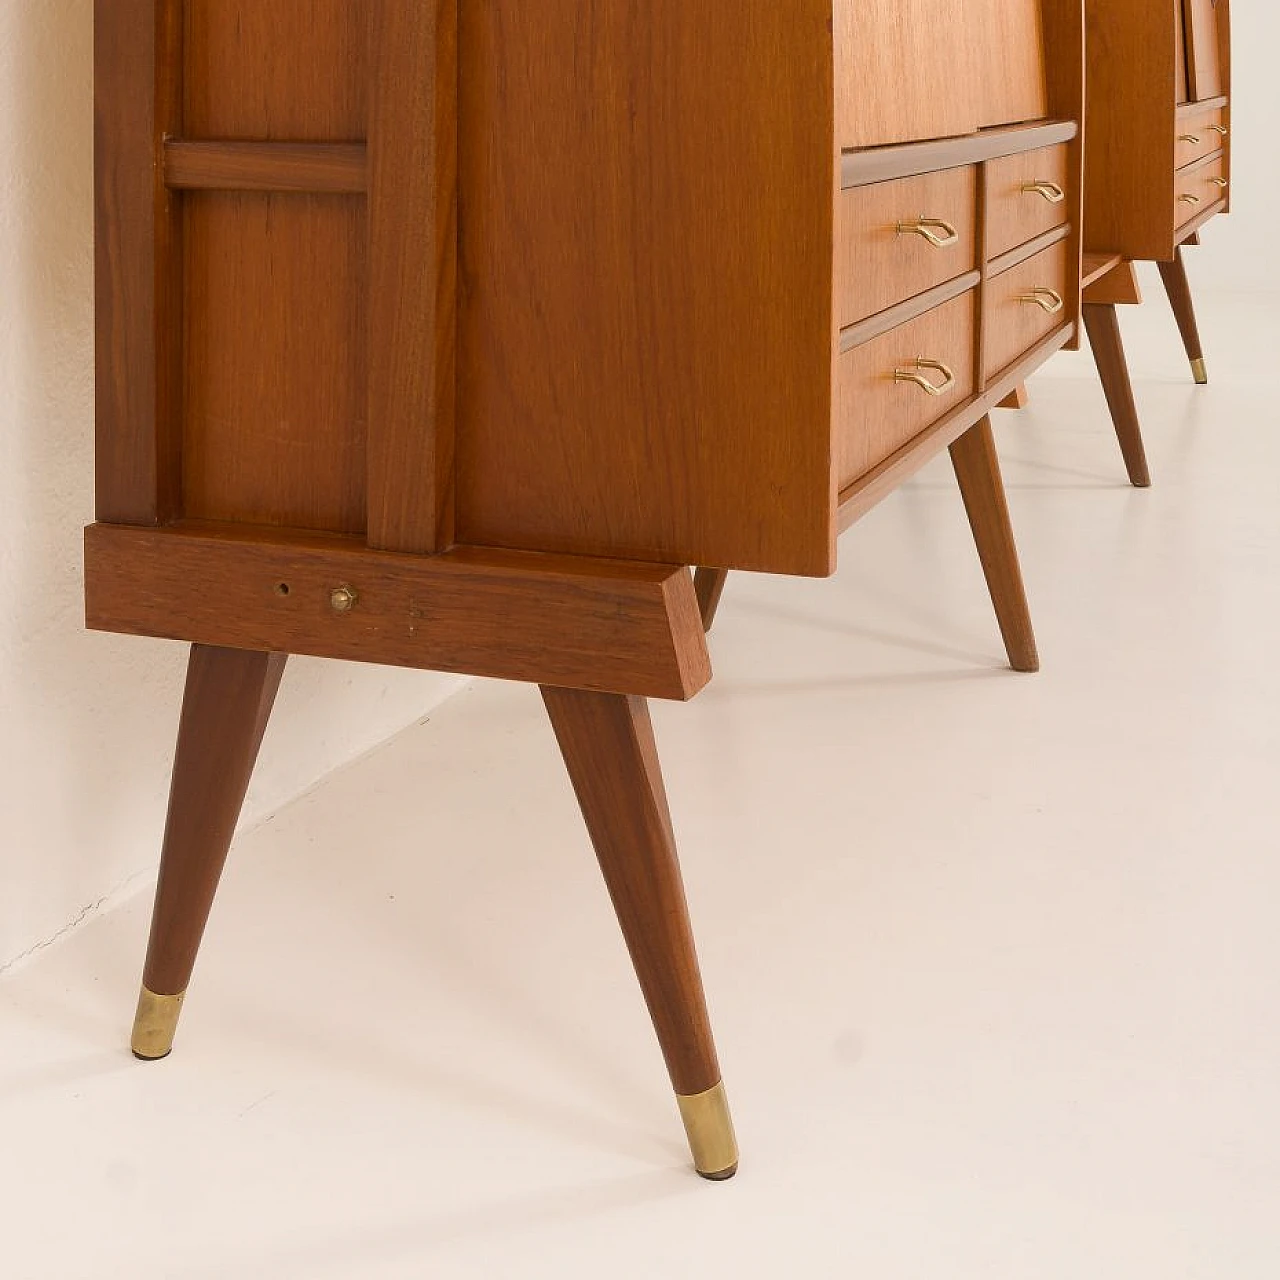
(282, 588)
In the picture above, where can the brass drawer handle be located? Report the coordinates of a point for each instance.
(1220, 129)
(1187, 198)
(1053, 193)
(918, 379)
(1220, 183)
(1046, 299)
(1193, 138)
(929, 228)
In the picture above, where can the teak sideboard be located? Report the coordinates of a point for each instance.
(450, 335)
(1158, 124)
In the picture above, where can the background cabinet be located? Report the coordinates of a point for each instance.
(1158, 102)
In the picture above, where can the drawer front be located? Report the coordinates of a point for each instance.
(1199, 136)
(877, 409)
(1024, 305)
(1027, 195)
(1196, 189)
(897, 239)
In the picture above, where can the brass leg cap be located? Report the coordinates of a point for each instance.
(1200, 372)
(710, 1128)
(155, 1024)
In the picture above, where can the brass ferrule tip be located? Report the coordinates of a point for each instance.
(155, 1024)
(1200, 372)
(710, 1128)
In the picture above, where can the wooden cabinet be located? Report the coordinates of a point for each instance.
(452, 335)
(1158, 123)
(1158, 102)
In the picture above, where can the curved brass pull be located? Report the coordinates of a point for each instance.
(1046, 299)
(1193, 138)
(929, 228)
(919, 380)
(1187, 198)
(1220, 183)
(1053, 193)
(1220, 129)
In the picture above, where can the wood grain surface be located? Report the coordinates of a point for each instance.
(877, 414)
(1016, 214)
(605, 624)
(138, 248)
(274, 395)
(608, 747)
(877, 265)
(1174, 276)
(413, 274)
(709, 586)
(1129, 126)
(646, 311)
(266, 166)
(1014, 324)
(276, 70)
(977, 470)
(1204, 66)
(1103, 327)
(225, 708)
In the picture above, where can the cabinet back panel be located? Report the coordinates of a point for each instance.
(274, 354)
(290, 70)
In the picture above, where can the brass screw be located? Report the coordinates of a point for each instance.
(343, 599)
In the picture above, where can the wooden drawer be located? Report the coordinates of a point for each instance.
(1199, 136)
(1024, 305)
(1197, 188)
(1026, 196)
(897, 239)
(876, 412)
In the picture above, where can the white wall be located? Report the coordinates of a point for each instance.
(87, 721)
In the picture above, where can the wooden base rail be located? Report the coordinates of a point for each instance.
(606, 625)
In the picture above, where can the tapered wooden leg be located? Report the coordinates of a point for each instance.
(978, 472)
(1174, 275)
(709, 584)
(225, 709)
(608, 747)
(1018, 398)
(1103, 327)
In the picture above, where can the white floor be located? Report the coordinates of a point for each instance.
(993, 959)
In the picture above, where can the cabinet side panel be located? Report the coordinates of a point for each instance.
(274, 421)
(646, 232)
(1204, 64)
(288, 70)
(1131, 52)
(137, 49)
